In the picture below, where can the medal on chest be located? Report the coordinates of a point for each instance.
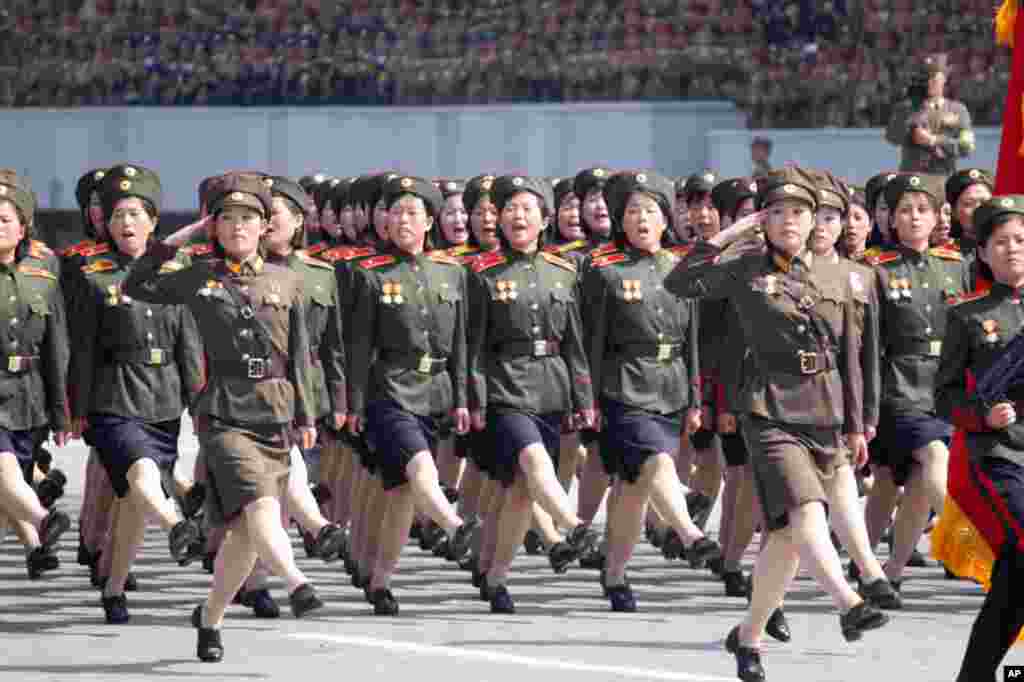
(991, 329)
(507, 290)
(769, 284)
(899, 289)
(115, 297)
(631, 290)
(208, 288)
(392, 293)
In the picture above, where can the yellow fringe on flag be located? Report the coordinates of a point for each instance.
(1005, 20)
(962, 549)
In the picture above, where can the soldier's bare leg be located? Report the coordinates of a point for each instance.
(744, 519)
(625, 524)
(357, 509)
(881, 504)
(593, 484)
(234, 563)
(492, 500)
(848, 523)
(129, 534)
(394, 533)
(569, 457)
(17, 498)
(269, 538)
(776, 566)
(102, 516)
(710, 468)
(545, 525)
(670, 497)
(469, 490)
(730, 500)
(329, 473)
(425, 486)
(922, 494)
(686, 458)
(513, 522)
(542, 482)
(377, 507)
(449, 467)
(300, 501)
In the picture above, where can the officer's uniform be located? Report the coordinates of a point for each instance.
(139, 365)
(946, 118)
(799, 324)
(574, 250)
(260, 373)
(527, 361)
(914, 291)
(642, 345)
(411, 313)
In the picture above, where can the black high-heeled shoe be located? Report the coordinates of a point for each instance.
(748, 660)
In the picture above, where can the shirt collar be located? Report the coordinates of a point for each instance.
(253, 265)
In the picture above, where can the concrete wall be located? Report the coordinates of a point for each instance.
(855, 153)
(53, 147)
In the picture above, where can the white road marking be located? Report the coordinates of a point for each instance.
(511, 659)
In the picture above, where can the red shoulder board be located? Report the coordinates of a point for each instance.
(316, 248)
(353, 252)
(946, 253)
(608, 260)
(443, 257)
(488, 260)
(377, 261)
(970, 296)
(76, 249)
(203, 249)
(681, 250)
(603, 250)
(884, 257)
(101, 265)
(39, 250)
(558, 260)
(95, 249)
(33, 271)
(308, 259)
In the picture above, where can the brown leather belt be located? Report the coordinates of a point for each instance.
(799, 362)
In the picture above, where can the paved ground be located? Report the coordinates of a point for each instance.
(53, 629)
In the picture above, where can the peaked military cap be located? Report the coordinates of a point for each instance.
(417, 187)
(129, 180)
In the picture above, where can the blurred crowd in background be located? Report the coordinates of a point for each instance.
(785, 63)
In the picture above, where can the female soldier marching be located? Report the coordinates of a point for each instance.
(259, 387)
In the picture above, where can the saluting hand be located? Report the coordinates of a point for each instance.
(859, 448)
(462, 420)
(1001, 415)
(182, 236)
(738, 229)
(477, 420)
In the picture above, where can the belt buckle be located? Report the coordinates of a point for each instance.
(257, 368)
(156, 356)
(935, 348)
(540, 349)
(247, 312)
(14, 363)
(426, 364)
(664, 352)
(808, 362)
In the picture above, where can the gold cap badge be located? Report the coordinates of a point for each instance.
(125, 185)
(406, 183)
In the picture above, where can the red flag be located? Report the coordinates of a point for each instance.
(1010, 171)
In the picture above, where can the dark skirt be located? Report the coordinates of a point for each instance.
(22, 444)
(734, 449)
(512, 431)
(396, 435)
(901, 434)
(632, 435)
(791, 465)
(463, 445)
(703, 439)
(244, 464)
(480, 450)
(122, 441)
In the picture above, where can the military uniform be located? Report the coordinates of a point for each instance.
(956, 185)
(260, 373)
(526, 346)
(800, 328)
(914, 291)
(948, 119)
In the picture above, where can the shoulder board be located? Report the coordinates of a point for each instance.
(971, 296)
(95, 249)
(487, 261)
(377, 261)
(884, 257)
(168, 266)
(202, 249)
(308, 259)
(872, 252)
(442, 257)
(464, 250)
(608, 260)
(558, 260)
(33, 271)
(76, 248)
(681, 250)
(38, 249)
(316, 248)
(101, 265)
(353, 252)
(946, 253)
(565, 248)
(603, 250)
